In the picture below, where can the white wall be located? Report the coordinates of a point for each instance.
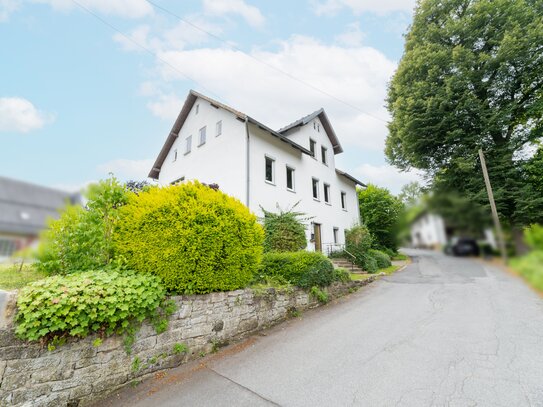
(269, 195)
(428, 231)
(220, 160)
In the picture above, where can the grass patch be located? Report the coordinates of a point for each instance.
(531, 268)
(400, 256)
(360, 277)
(389, 270)
(11, 278)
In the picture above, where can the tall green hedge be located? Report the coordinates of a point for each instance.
(197, 239)
(284, 231)
(303, 269)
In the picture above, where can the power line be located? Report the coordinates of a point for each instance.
(152, 3)
(111, 26)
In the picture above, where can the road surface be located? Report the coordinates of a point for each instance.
(442, 332)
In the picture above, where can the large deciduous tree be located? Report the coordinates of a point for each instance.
(471, 77)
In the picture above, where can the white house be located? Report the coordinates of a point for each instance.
(428, 231)
(213, 143)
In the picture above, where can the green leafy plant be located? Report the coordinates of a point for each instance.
(92, 301)
(285, 230)
(197, 239)
(342, 274)
(359, 242)
(180, 348)
(136, 364)
(382, 259)
(320, 295)
(534, 236)
(81, 239)
(303, 269)
(97, 342)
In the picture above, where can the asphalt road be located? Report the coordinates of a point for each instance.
(442, 332)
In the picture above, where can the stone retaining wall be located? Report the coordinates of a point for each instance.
(77, 373)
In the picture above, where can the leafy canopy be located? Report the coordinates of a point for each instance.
(380, 212)
(471, 77)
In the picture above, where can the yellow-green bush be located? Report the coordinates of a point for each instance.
(197, 239)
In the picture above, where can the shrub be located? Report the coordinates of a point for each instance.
(359, 242)
(92, 301)
(197, 239)
(382, 259)
(342, 274)
(81, 238)
(303, 269)
(531, 267)
(284, 231)
(534, 236)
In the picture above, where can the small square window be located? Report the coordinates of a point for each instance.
(290, 178)
(312, 146)
(326, 193)
(270, 170)
(175, 154)
(315, 186)
(343, 200)
(202, 136)
(324, 155)
(218, 128)
(188, 144)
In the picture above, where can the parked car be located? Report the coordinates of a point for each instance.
(462, 246)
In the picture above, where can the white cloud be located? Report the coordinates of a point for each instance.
(251, 14)
(125, 169)
(21, 116)
(387, 176)
(360, 6)
(120, 8)
(356, 75)
(352, 36)
(7, 7)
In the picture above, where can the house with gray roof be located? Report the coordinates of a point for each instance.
(24, 210)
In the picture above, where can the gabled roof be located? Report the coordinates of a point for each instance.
(321, 114)
(185, 110)
(25, 207)
(350, 177)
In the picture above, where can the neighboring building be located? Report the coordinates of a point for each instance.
(24, 210)
(214, 143)
(428, 231)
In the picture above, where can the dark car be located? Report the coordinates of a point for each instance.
(463, 246)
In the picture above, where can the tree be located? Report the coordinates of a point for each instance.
(380, 212)
(411, 194)
(471, 77)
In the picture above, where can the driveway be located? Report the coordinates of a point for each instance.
(442, 332)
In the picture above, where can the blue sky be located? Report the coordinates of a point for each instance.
(79, 100)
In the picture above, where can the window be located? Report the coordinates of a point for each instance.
(7, 247)
(290, 178)
(343, 200)
(270, 170)
(188, 144)
(202, 136)
(312, 145)
(197, 108)
(315, 185)
(327, 193)
(219, 128)
(336, 237)
(318, 127)
(175, 154)
(324, 156)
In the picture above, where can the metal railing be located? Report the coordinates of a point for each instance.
(340, 248)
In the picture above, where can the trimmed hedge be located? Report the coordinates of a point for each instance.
(382, 259)
(197, 239)
(92, 301)
(303, 269)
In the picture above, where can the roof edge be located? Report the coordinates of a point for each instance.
(350, 177)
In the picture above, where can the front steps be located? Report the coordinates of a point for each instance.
(346, 264)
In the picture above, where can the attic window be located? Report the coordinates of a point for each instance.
(324, 155)
(197, 109)
(175, 155)
(312, 146)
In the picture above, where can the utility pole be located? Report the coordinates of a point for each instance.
(497, 223)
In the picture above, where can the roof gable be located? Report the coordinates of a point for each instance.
(182, 117)
(321, 114)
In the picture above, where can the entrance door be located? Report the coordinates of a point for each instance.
(317, 234)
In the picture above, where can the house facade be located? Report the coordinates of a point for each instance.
(213, 143)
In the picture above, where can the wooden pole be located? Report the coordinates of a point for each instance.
(497, 224)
